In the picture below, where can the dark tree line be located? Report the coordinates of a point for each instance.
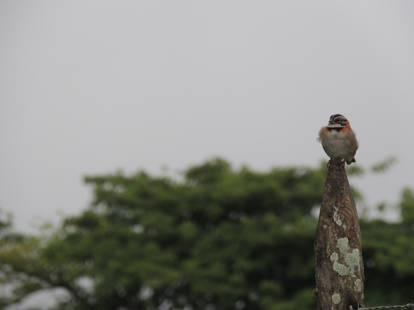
(219, 238)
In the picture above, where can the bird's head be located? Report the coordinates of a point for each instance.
(337, 121)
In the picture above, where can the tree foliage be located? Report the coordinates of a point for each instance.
(218, 238)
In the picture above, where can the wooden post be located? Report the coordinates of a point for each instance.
(339, 269)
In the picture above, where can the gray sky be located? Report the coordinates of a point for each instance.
(88, 87)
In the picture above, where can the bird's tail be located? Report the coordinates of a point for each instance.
(351, 161)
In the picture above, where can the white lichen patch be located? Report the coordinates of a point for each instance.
(341, 269)
(337, 217)
(334, 257)
(350, 265)
(342, 244)
(358, 285)
(336, 298)
(352, 260)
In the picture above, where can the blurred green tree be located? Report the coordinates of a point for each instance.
(218, 238)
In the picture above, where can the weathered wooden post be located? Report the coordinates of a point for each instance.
(339, 269)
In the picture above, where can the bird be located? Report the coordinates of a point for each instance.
(338, 139)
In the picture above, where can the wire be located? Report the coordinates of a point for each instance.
(407, 306)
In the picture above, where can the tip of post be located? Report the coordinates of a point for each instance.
(336, 162)
(336, 171)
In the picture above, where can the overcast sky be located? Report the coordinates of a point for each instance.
(89, 87)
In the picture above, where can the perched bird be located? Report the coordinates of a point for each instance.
(338, 139)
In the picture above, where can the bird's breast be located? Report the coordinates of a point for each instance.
(335, 143)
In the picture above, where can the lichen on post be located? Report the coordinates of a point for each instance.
(339, 270)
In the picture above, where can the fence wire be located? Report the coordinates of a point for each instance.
(407, 306)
